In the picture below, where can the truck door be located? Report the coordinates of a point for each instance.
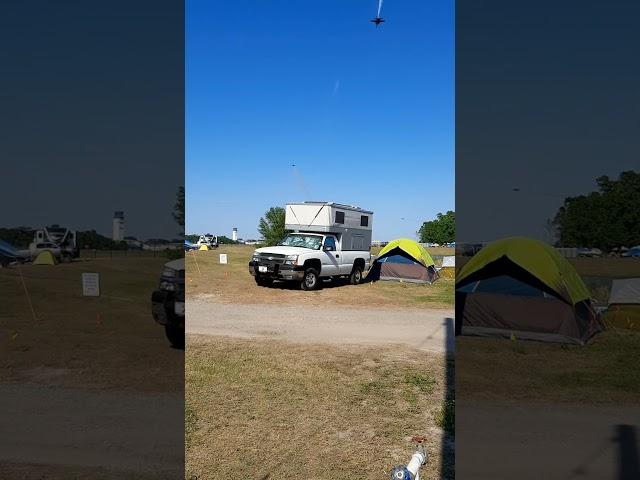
(330, 258)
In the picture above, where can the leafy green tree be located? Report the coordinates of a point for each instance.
(607, 218)
(178, 208)
(271, 226)
(441, 230)
(192, 237)
(19, 237)
(93, 240)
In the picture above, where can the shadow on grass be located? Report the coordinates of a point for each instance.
(445, 418)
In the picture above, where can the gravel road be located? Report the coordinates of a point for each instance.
(131, 433)
(429, 330)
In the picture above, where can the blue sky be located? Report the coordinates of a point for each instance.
(365, 114)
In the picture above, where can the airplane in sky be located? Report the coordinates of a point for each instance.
(377, 21)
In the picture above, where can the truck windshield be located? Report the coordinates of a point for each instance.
(305, 241)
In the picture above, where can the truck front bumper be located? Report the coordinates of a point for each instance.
(166, 309)
(276, 271)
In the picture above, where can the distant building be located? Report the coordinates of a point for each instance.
(234, 234)
(118, 226)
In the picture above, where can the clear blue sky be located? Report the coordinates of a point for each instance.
(365, 114)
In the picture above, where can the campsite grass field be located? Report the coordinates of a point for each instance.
(106, 342)
(271, 409)
(232, 283)
(266, 408)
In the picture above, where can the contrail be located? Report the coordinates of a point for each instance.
(379, 7)
(300, 181)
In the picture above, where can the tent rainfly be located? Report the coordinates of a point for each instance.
(45, 258)
(403, 260)
(523, 288)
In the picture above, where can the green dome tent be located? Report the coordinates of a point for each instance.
(403, 260)
(45, 258)
(525, 288)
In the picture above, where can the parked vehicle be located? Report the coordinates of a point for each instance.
(167, 302)
(210, 241)
(59, 240)
(632, 253)
(329, 241)
(36, 249)
(589, 252)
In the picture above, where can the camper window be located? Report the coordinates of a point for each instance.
(339, 217)
(364, 221)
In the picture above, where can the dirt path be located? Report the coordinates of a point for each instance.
(551, 442)
(82, 431)
(429, 330)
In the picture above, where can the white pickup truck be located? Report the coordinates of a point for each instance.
(307, 258)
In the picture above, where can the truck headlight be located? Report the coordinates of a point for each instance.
(167, 286)
(255, 257)
(291, 259)
(168, 272)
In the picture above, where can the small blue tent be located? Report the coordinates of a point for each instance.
(7, 253)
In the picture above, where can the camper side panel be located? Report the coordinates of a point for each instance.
(355, 239)
(307, 215)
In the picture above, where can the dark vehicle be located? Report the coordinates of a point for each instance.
(632, 253)
(167, 302)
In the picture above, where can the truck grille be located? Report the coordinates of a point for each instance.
(271, 258)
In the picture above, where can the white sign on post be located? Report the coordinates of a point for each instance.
(223, 258)
(91, 284)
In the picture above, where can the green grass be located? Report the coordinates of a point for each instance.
(423, 383)
(190, 423)
(446, 416)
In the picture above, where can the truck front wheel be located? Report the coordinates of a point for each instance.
(175, 335)
(263, 282)
(311, 280)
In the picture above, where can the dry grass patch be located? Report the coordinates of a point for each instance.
(106, 342)
(277, 410)
(603, 372)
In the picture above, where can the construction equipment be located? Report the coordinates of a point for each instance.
(59, 240)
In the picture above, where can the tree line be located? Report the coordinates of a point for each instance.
(606, 218)
(21, 237)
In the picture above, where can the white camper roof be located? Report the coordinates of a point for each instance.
(625, 291)
(336, 205)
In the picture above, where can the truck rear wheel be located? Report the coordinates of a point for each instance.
(311, 279)
(175, 335)
(356, 275)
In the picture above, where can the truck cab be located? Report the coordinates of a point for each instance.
(167, 302)
(317, 249)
